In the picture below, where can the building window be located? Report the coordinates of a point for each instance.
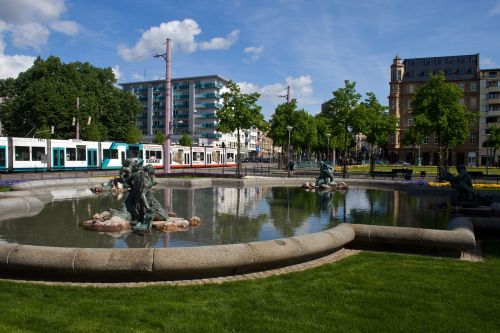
(473, 103)
(436, 139)
(461, 71)
(411, 88)
(461, 60)
(473, 86)
(472, 59)
(449, 60)
(410, 119)
(461, 85)
(409, 104)
(472, 138)
(399, 75)
(426, 61)
(426, 139)
(437, 61)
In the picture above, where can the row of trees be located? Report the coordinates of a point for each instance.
(45, 95)
(343, 116)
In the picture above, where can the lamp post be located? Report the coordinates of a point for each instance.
(168, 91)
(223, 145)
(328, 146)
(289, 128)
(487, 153)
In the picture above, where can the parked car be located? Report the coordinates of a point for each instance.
(403, 163)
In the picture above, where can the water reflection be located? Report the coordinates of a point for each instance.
(229, 215)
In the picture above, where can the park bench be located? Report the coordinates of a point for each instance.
(406, 173)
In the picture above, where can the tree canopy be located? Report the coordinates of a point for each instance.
(239, 111)
(436, 109)
(344, 114)
(185, 140)
(45, 95)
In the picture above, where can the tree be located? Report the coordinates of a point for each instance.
(413, 137)
(46, 95)
(377, 126)
(132, 135)
(185, 140)
(437, 105)
(303, 135)
(493, 142)
(238, 112)
(159, 138)
(343, 114)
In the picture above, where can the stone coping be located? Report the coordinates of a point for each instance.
(157, 264)
(89, 264)
(460, 235)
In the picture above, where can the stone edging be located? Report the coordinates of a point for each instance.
(460, 236)
(88, 264)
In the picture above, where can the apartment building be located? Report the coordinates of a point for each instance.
(489, 112)
(195, 100)
(407, 76)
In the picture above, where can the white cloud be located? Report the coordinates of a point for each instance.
(28, 23)
(300, 89)
(487, 62)
(183, 35)
(254, 52)
(495, 10)
(69, 28)
(30, 35)
(11, 66)
(28, 11)
(220, 43)
(116, 71)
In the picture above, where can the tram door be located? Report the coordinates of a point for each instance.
(92, 158)
(58, 157)
(187, 159)
(3, 158)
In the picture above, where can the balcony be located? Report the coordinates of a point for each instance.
(209, 106)
(208, 115)
(181, 96)
(492, 101)
(181, 86)
(209, 95)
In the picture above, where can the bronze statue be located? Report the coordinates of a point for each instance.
(325, 174)
(141, 207)
(464, 194)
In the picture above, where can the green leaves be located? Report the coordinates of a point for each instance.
(185, 140)
(45, 95)
(436, 109)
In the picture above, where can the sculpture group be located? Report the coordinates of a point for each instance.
(140, 210)
(325, 180)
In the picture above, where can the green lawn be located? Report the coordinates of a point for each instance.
(370, 292)
(4, 188)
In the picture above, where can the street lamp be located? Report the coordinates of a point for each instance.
(328, 135)
(289, 128)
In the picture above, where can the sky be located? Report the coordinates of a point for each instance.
(264, 46)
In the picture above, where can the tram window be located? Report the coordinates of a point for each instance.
(22, 153)
(148, 154)
(36, 153)
(158, 154)
(2, 157)
(110, 154)
(81, 153)
(133, 152)
(70, 154)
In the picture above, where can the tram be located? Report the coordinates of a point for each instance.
(32, 154)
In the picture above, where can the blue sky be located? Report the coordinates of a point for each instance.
(311, 45)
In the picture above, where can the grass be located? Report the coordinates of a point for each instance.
(4, 188)
(370, 292)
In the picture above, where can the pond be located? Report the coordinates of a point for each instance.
(230, 215)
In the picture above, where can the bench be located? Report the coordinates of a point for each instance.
(405, 172)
